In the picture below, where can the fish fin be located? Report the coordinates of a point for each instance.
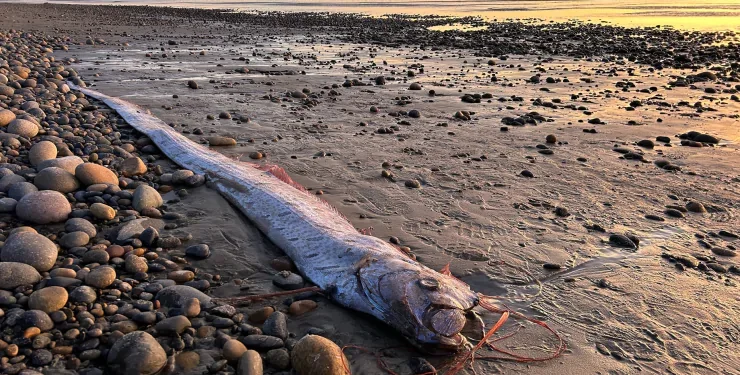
(283, 176)
(446, 270)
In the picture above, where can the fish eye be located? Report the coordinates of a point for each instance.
(429, 284)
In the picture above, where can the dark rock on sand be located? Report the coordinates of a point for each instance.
(30, 248)
(13, 275)
(136, 353)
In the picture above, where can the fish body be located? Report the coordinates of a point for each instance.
(358, 271)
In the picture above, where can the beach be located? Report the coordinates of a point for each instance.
(585, 175)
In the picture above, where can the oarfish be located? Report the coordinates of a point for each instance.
(358, 271)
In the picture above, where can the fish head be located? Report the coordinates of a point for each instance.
(427, 307)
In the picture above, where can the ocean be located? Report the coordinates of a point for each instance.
(706, 15)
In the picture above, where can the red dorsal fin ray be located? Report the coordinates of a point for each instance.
(446, 270)
(283, 176)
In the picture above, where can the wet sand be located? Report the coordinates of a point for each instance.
(621, 310)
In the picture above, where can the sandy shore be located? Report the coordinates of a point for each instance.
(540, 243)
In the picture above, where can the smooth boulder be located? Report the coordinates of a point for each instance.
(43, 207)
(24, 128)
(146, 196)
(42, 151)
(91, 174)
(30, 248)
(56, 179)
(316, 355)
(14, 274)
(49, 299)
(137, 353)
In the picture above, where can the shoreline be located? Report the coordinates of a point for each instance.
(440, 172)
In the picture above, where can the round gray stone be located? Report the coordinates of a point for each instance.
(30, 248)
(137, 353)
(13, 275)
(43, 207)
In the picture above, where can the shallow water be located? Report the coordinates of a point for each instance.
(706, 15)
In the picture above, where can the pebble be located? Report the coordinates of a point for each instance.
(134, 264)
(101, 277)
(301, 307)
(91, 174)
(13, 275)
(36, 318)
(221, 141)
(316, 355)
(6, 117)
(287, 280)
(68, 163)
(175, 296)
(19, 190)
(83, 294)
(233, 350)
(56, 179)
(48, 299)
(621, 240)
(278, 358)
(182, 276)
(262, 342)
(137, 353)
(7, 205)
(102, 211)
(42, 151)
(146, 196)
(721, 251)
(43, 207)
(276, 325)
(200, 251)
(74, 239)
(697, 207)
(250, 363)
(173, 326)
(30, 248)
(133, 166)
(24, 128)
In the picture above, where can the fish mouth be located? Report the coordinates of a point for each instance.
(446, 345)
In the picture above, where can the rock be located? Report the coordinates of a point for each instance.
(6, 117)
(19, 190)
(68, 163)
(697, 207)
(36, 318)
(48, 299)
(551, 139)
(316, 355)
(415, 86)
(262, 342)
(181, 276)
(233, 350)
(91, 174)
(14, 274)
(149, 236)
(80, 225)
(193, 85)
(414, 184)
(191, 308)
(30, 248)
(8, 180)
(146, 196)
(134, 264)
(250, 363)
(96, 256)
(83, 294)
(221, 141)
(42, 151)
(288, 280)
(131, 229)
(276, 325)
(621, 240)
(176, 296)
(301, 307)
(74, 239)
(24, 128)
(43, 207)
(721, 251)
(102, 211)
(173, 326)
(706, 138)
(56, 179)
(279, 358)
(136, 353)
(7, 205)
(200, 251)
(181, 175)
(133, 167)
(101, 277)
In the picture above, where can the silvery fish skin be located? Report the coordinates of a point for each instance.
(358, 271)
